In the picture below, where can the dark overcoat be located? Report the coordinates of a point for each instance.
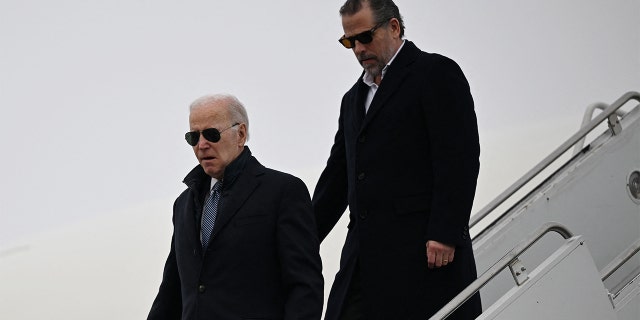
(263, 258)
(407, 170)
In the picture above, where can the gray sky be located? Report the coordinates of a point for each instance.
(94, 98)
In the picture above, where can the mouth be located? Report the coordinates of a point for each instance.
(366, 59)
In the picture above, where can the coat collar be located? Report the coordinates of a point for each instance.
(395, 75)
(240, 179)
(237, 191)
(197, 179)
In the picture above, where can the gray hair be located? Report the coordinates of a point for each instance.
(383, 11)
(235, 108)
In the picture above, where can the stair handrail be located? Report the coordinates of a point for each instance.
(620, 260)
(588, 116)
(631, 95)
(500, 265)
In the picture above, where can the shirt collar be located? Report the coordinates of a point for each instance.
(367, 78)
(213, 183)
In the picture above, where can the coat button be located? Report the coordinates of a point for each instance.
(195, 252)
(362, 139)
(361, 176)
(202, 288)
(363, 214)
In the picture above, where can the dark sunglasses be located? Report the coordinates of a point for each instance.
(211, 134)
(362, 37)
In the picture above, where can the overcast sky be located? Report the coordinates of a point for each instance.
(94, 98)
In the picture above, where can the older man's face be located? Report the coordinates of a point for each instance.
(214, 157)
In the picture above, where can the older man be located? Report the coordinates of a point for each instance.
(405, 162)
(244, 244)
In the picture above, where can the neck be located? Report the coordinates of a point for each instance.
(377, 79)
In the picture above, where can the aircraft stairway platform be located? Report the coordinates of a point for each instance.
(567, 247)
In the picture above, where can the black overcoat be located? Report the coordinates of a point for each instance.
(407, 171)
(263, 258)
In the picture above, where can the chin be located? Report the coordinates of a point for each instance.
(373, 70)
(212, 172)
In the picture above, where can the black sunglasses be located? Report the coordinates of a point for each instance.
(211, 134)
(362, 37)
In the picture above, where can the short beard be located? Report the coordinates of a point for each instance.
(375, 70)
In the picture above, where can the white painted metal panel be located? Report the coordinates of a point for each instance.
(589, 196)
(565, 286)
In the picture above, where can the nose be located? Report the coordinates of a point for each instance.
(358, 47)
(202, 142)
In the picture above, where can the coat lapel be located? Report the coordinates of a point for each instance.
(235, 197)
(355, 105)
(395, 75)
(361, 94)
(195, 180)
(193, 223)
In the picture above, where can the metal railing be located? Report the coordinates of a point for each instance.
(588, 116)
(620, 260)
(506, 261)
(576, 138)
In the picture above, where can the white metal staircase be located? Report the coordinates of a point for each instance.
(592, 200)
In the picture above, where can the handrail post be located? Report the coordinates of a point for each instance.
(588, 115)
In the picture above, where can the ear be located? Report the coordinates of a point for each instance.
(242, 134)
(394, 24)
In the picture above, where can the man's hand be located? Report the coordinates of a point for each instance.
(439, 254)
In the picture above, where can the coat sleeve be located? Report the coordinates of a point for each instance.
(330, 197)
(299, 254)
(168, 303)
(455, 150)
